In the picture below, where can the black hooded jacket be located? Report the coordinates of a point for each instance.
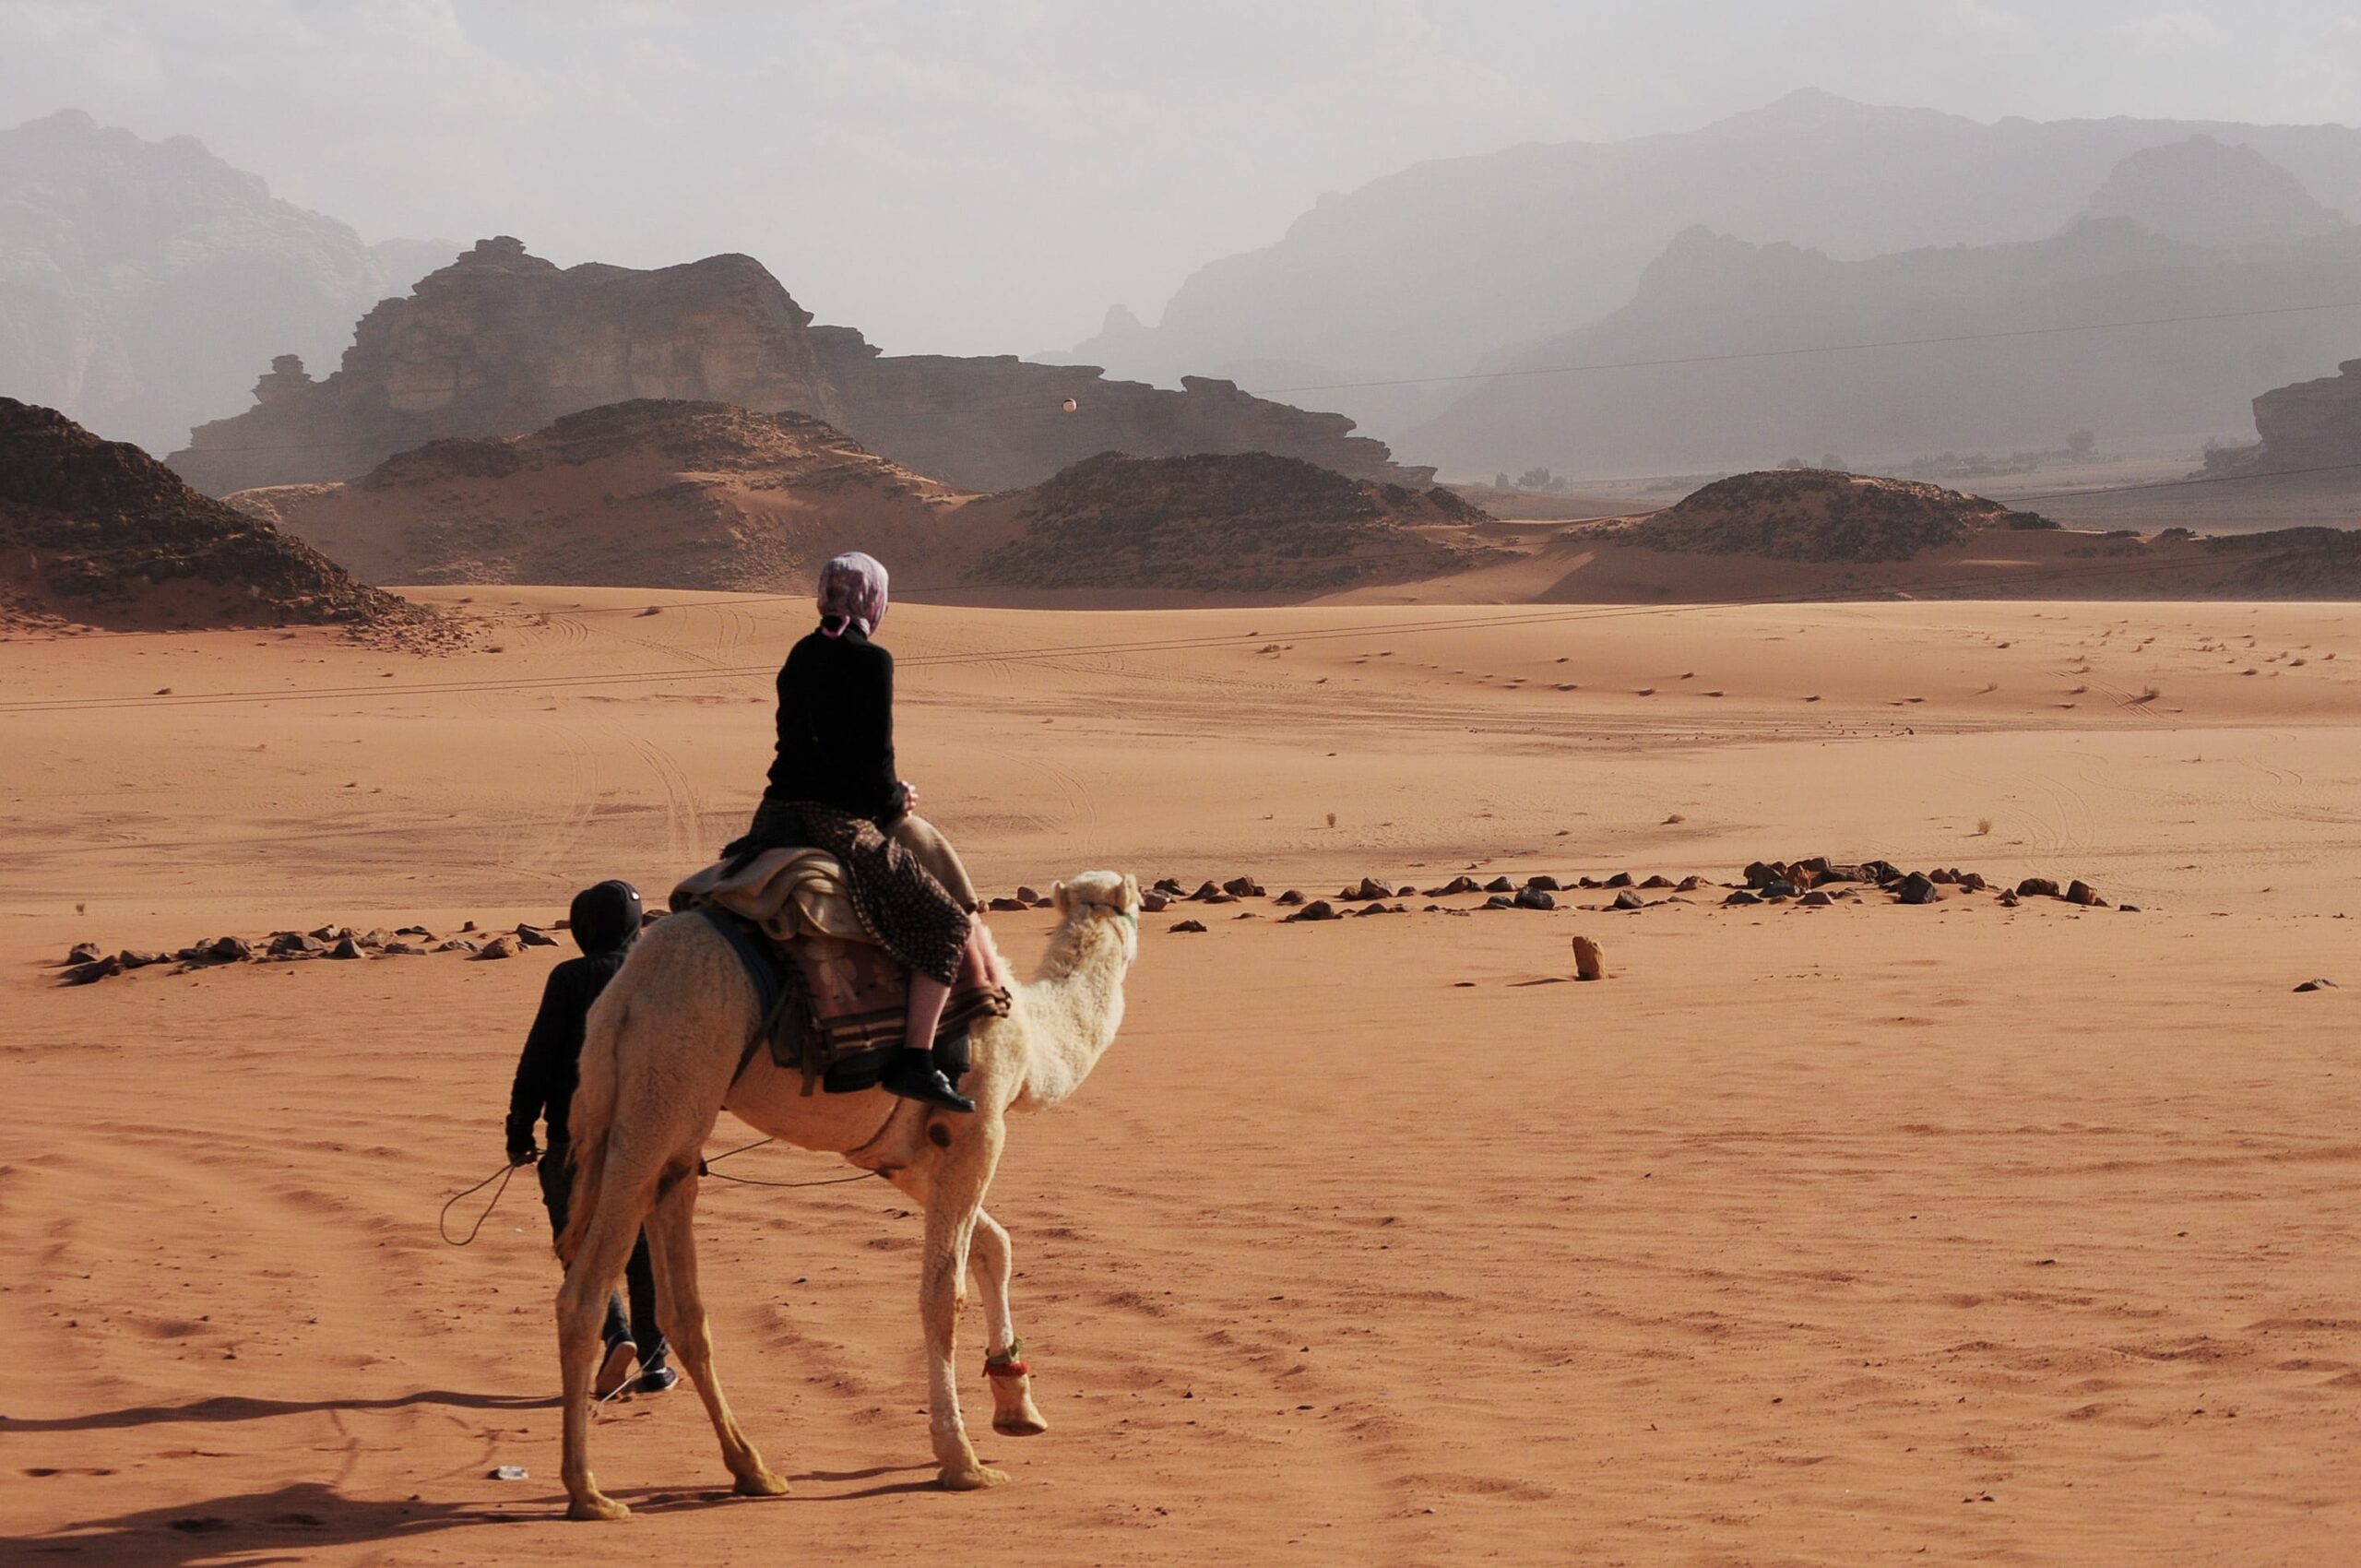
(835, 727)
(604, 919)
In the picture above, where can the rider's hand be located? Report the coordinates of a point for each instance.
(526, 1155)
(909, 795)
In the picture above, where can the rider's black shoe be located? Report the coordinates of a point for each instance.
(913, 1076)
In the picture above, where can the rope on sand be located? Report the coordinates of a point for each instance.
(705, 1168)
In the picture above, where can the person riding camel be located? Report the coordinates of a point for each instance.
(833, 787)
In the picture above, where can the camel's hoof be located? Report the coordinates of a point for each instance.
(596, 1507)
(975, 1479)
(762, 1483)
(1019, 1425)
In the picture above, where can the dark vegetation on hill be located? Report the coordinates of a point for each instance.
(1822, 515)
(1247, 522)
(97, 531)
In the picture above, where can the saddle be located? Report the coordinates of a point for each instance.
(833, 1003)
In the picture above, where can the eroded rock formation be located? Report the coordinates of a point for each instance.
(502, 342)
(97, 532)
(2310, 424)
(1818, 515)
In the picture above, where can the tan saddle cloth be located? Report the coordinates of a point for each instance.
(845, 1000)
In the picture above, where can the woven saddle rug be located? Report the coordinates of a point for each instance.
(848, 997)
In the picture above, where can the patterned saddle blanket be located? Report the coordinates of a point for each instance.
(837, 1002)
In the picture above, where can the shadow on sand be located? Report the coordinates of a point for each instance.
(231, 1407)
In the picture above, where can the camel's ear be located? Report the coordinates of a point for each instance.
(1059, 896)
(1131, 891)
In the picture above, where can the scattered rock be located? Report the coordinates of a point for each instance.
(2127, 908)
(1741, 897)
(1014, 906)
(1155, 901)
(1187, 925)
(296, 944)
(1499, 901)
(328, 933)
(2037, 888)
(1780, 888)
(140, 957)
(2083, 893)
(1627, 899)
(1620, 879)
(1219, 899)
(1817, 898)
(85, 953)
(402, 950)
(1544, 883)
(1498, 885)
(421, 931)
(1318, 910)
(1589, 963)
(1242, 888)
(1690, 884)
(470, 925)
(1290, 898)
(1532, 897)
(1919, 889)
(1657, 882)
(1971, 881)
(2320, 985)
(500, 948)
(1369, 887)
(1170, 886)
(528, 936)
(94, 970)
(227, 950)
(1027, 896)
(377, 936)
(456, 944)
(350, 947)
(1205, 890)
(2008, 899)
(1455, 887)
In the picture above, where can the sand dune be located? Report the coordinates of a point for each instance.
(1954, 1234)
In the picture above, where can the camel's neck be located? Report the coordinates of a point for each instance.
(1074, 1007)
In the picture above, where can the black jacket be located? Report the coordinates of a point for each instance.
(551, 1063)
(835, 727)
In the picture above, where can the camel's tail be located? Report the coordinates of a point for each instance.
(592, 1114)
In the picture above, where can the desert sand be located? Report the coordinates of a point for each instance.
(1860, 1234)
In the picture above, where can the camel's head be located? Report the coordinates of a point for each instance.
(1106, 897)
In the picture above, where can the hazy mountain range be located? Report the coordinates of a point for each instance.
(143, 283)
(1447, 266)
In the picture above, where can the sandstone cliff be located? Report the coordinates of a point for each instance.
(2310, 424)
(99, 532)
(646, 494)
(502, 342)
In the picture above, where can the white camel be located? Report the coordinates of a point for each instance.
(664, 1045)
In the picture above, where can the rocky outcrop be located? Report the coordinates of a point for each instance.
(141, 282)
(99, 532)
(1250, 522)
(1818, 515)
(2204, 192)
(646, 494)
(503, 343)
(2309, 424)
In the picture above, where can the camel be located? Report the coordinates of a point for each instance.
(662, 1049)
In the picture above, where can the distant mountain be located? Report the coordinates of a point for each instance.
(2202, 192)
(1427, 271)
(1737, 314)
(141, 282)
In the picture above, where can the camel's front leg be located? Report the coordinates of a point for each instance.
(1013, 1412)
(954, 1200)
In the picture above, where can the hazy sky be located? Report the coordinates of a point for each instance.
(987, 176)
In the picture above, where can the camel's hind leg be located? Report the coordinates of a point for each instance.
(581, 1304)
(672, 1248)
(1013, 1412)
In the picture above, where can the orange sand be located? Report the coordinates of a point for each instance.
(1857, 1235)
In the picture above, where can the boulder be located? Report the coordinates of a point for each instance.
(1218, 897)
(1290, 898)
(349, 946)
(2083, 893)
(377, 936)
(1027, 896)
(499, 947)
(1170, 886)
(1620, 879)
(1657, 882)
(1318, 910)
(1817, 898)
(296, 944)
(1014, 906)
(227, 950)
(85, 953)
(1628, 899)
(1369, 887)
(402, 950)
(2319, 985)
(421, 931)
(1589, 963)
(1531, 897)
(1177, 926)
(1155, 901)
(528, 936)
(1498, 885)
(1778, 887)
(1242, 888)
(1452, 889)
(1499, 901)
(1919, 889)
(331, 933)
(2037, 888)
(2008, 899)
(1972, 882)
(94, 970)
(140, 957)
(1690, 884)
(1544, 883)
(456, 944)
(1741, 897)
(1205, 890)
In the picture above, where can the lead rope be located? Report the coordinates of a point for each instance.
(507, 1173)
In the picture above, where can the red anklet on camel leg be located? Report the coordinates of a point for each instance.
(1005, 1364)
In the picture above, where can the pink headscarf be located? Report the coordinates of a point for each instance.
(852, 593)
